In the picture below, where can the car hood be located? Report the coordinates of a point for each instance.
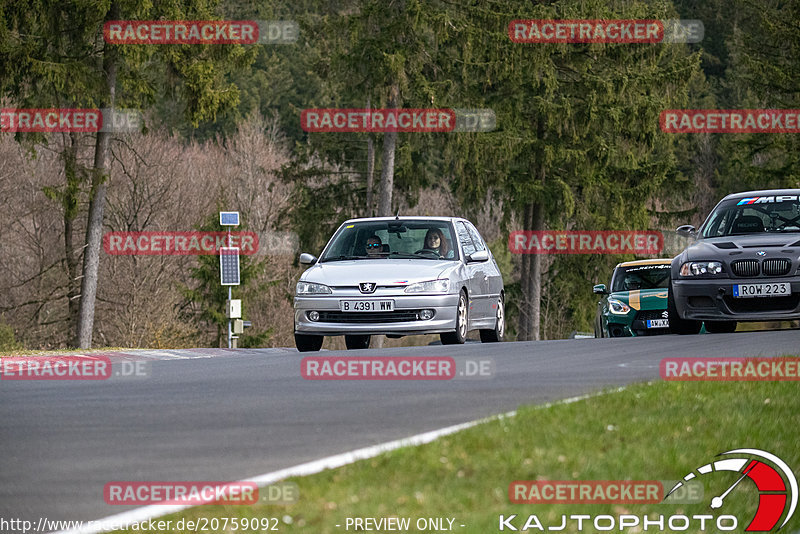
(712, 248)
(383, 271)
(643, 299)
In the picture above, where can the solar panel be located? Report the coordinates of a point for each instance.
(229, 266)
(229, 218)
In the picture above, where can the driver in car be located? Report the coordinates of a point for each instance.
(374, 245)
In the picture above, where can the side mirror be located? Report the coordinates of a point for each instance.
(307, 259)
(687, 230)
(480, 255)
(600, 289)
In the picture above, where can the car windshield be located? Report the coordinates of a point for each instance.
(754, 215)
(641, 277)
(415, 239)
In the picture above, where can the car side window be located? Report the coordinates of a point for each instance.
(719, 223)
(476, 237)
(467, 246)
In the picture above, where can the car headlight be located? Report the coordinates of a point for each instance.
(310, 288)
(701, 268)
(617, 307)
(431, 286)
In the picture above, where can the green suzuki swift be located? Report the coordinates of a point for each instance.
(636, 304)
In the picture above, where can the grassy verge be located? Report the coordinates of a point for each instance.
(56, 352)
(660, 431)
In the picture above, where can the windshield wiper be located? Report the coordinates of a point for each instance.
(341, 258)
(410, 256)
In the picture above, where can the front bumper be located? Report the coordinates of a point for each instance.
(635, 324)
(444, 319)
(713, 300)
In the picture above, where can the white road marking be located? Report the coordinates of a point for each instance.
(146, 513)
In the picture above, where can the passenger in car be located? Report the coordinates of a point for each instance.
(436, 241)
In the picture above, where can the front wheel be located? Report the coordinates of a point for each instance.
(305, 343)
(357, 342)
(598, 328)
(676, 324)
(459, 335)
(721, 327)
(496, 334)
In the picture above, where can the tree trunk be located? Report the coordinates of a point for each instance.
(387, 171)
(531, 280)
(531, 276)
(536, 278)
(524, 326)
(370, 171)
(94, 226)
(70, 206)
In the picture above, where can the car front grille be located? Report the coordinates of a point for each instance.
(777, 267)
(770, 267)
(766, 304)
(646, 315)
(368, 317)
(745, 268)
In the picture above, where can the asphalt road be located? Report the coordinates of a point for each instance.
(226, 415)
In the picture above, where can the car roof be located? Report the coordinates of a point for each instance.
(404, 218)
(763, 193)
(662, 261)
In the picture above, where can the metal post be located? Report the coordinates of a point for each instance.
(230, 332)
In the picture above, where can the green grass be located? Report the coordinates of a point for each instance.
(56, 352)
(653, 431)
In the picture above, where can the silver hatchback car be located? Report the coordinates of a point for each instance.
(399, 276)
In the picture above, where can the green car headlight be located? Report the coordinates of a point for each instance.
(617, 307)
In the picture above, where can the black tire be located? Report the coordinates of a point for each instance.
(616, 331)
(721, 327)
(357, 342)
(598, 328)
(496, 334)
(305, 343)
(459, 335)
(676, 324)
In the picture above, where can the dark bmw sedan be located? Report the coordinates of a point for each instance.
(743, 265)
